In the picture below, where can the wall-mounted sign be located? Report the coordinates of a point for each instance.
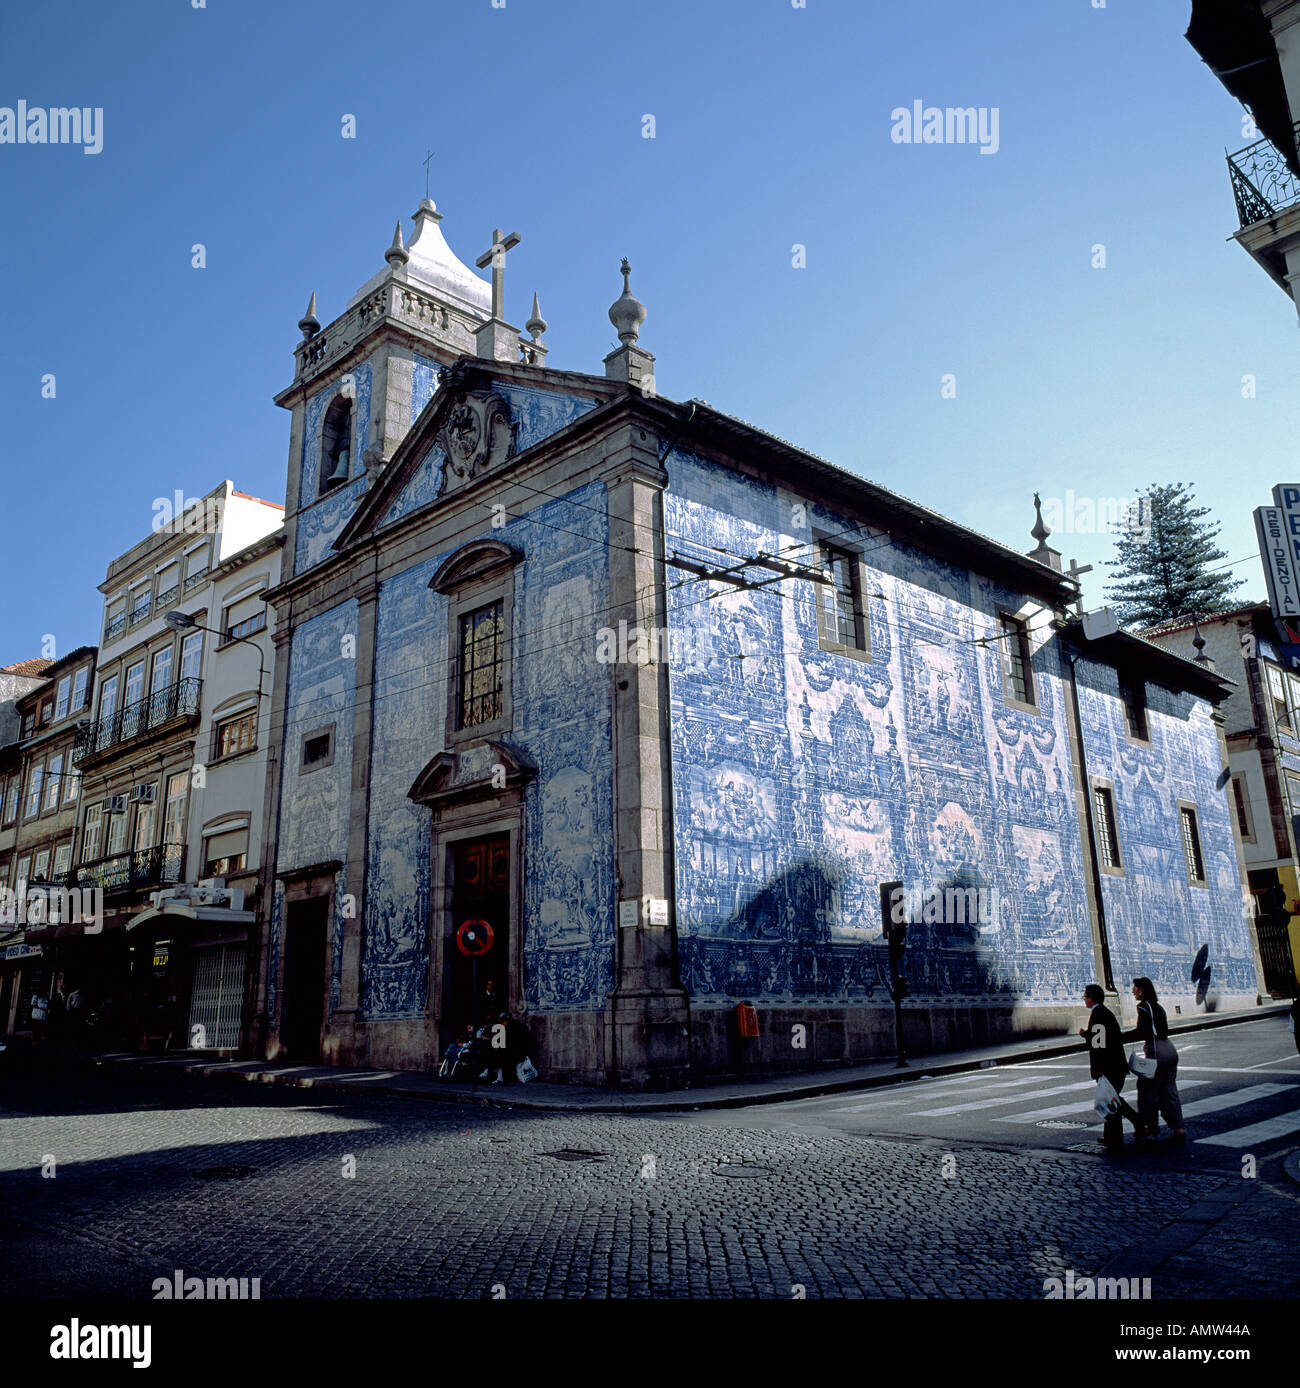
(1278, 531)
(658, 911)
(627, 914)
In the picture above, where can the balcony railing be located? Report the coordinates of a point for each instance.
(143, 870)
(115, 628)
(164, 600)
(1263, 183)
(137, 720)
(195, 580)
(140, 612)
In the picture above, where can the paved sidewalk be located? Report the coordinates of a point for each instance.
(585, 1099)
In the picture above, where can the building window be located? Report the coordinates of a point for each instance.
(24, 870)
(71, 784)
(1017, 670)
(1103, 803)
(41, 867)
(162, 670)
(318, 749)
(246, 626)
(480, 667)
(1241, 803)
(116, 833)
(196, 568)
(90, 833)
(226, 853)
(134, 690)
(841, 616)
(61, 702)
(191, 655)
(236, 735)
(169, 585)
(62, 860)
(34, 791)
(1133, 692)
(80, 689)
(336, 445)
(47, 712)
(174, 810)
(1192, 845)
(11, 799)
(53, 782)
(1277, 698)
(29, 725)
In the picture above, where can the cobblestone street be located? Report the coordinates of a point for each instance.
(150, 1174)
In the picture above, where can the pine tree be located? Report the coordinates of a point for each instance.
(1164, 558)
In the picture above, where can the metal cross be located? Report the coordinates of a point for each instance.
(1074, 571)
(496, 257)
(426, 172)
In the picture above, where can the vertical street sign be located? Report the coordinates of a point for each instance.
(1278, 530)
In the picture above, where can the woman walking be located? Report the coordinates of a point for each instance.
(1160, 1092)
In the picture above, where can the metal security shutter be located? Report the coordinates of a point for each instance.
(217, 997)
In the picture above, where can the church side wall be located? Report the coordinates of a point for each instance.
(1158, 922)
(803, 779)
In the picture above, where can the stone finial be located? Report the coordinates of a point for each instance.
(536, 325)
(1198, 641)
(627, 312)
(1042, 551)
(309, 324)
(397, 255)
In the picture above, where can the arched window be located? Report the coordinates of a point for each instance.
(336, 445)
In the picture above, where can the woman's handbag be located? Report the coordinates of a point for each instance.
(1143, 1066)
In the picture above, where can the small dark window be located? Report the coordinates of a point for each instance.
(1243, 814)
(841, 620)
(480, 667)
(1017, 672)
(1107, 837)
(336, 445)
(1192, 843)
(318, 749)
(1134, 694)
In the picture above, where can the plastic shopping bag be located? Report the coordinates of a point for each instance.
(1106, 1103)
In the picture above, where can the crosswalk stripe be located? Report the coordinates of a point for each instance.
(1282, 1126)
(1060, 1110)
(1233, 1099)
(929, 1093)
(1005, 1099)
(907, 1093)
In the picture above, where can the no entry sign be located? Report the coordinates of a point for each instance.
(474, 938)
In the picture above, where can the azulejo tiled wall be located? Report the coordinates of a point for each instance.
(320, 521)
(803, 779)
(315, 803)
(1158, 923)
(561, 703)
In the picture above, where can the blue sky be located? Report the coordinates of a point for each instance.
(222, 126)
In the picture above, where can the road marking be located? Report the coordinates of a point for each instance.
(1062, 1109)
(1281, 1060)
(929, 1093)
(1234, 1098)
(1006, 1099)
(906, 1092)
(1222, 1069)
(1282, 1126)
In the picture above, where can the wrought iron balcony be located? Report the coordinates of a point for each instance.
(115, 628)
(1263, 182)
(146, 869)
(194, 580)
(134, 722)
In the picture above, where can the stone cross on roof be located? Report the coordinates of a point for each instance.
(496, 257)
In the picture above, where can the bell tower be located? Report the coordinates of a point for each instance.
(361, 379)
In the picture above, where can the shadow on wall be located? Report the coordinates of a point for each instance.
(810, 934)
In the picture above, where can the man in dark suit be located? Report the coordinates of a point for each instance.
(1106, 1058)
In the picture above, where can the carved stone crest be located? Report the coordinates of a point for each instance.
(477, 434)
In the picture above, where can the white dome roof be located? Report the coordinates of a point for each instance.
(433, 266)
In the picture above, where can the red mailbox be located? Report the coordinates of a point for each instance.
(746, 1019)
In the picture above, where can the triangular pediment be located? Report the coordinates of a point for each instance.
(482, 415)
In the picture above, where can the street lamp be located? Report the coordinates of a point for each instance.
(182, 621)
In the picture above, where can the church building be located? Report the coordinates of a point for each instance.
(617, 712)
